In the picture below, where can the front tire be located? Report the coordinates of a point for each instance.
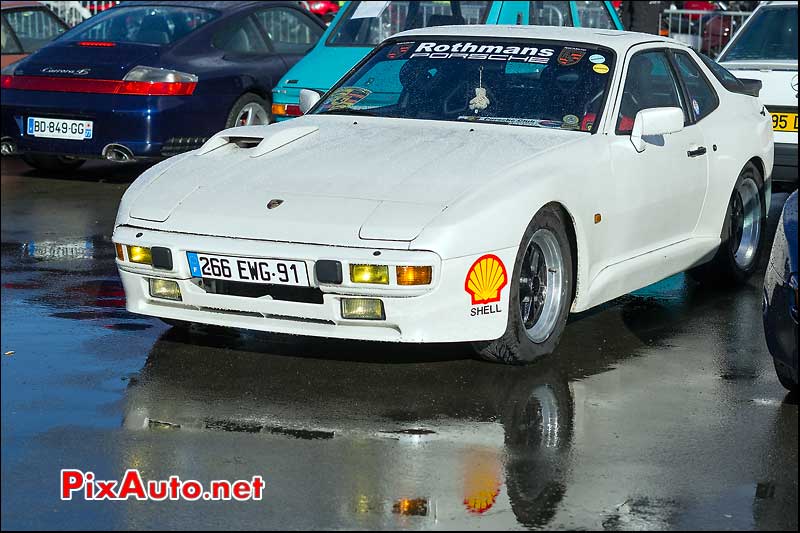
(540, 295)
(52, 163)
(742, 237)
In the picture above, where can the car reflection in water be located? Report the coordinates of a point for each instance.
(418, 444)
(495, 437)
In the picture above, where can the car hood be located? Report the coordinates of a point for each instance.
(342, 180)
(322, 67)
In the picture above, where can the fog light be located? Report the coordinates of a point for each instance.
(362, 308)
(414, 275)
(139, 254)
(369, 274)
(165, 289)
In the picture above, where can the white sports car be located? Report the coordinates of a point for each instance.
(460, 184)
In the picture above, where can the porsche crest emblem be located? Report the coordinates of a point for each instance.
(570, 56)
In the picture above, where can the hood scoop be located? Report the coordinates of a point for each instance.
(253, 138)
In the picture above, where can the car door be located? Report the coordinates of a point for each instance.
(659, 192)
(291, 32)
(247, 54)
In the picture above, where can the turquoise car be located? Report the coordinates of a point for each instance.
(360, 26)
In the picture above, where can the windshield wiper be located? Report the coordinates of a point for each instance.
(347, 111)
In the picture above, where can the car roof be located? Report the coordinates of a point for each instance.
(614, 39)
(12, 5)
(217, 5)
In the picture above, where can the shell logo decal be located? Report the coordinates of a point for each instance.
(486, 278)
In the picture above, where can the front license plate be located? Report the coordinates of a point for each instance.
(784, 121)
(248, 269)
(60, 128)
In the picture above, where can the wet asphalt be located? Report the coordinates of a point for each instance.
(660, 410)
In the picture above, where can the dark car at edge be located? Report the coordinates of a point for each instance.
(781, 297)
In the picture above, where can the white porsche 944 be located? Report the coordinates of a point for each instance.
(460, 184)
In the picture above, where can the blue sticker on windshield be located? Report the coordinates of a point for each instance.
(597, 58)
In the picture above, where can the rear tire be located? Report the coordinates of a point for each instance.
(249, 110)
(742, 237)
(52, 163)
(540, 295)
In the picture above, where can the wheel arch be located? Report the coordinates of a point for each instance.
(759, 164)
(572, 235)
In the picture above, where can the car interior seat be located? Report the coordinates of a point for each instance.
(154, 30)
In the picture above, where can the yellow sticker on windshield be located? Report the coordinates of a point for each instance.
(600, 68)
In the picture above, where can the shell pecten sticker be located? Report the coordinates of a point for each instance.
(485, 279)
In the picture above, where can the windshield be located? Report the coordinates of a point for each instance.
(770, 35)
(370, 23)
(521, 83)
(149, 25)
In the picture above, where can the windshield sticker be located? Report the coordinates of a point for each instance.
(696, 107)
(570, 56)
(600, 68)
(399, 50)
(346, 97)
(570, 122)
(491, 52)
(514, 121)
(597, 58)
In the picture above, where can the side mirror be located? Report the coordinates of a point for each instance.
(308, 99)
(655, 121)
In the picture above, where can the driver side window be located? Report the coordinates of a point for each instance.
(649, 83)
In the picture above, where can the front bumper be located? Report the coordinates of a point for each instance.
(439, 312)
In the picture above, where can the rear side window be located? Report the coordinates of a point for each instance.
(241, 37)
(723, 75)
(549, 13)
(593, 14)
(649, 83)
(34, 28)
(10, 45)
(289, 31)
(159, 25)
(702, 98)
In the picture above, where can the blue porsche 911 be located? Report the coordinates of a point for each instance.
(147, 80)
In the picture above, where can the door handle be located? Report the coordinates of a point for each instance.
(701, 150)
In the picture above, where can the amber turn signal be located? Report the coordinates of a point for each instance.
(414, 275)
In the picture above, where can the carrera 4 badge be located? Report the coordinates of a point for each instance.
(485, 280)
